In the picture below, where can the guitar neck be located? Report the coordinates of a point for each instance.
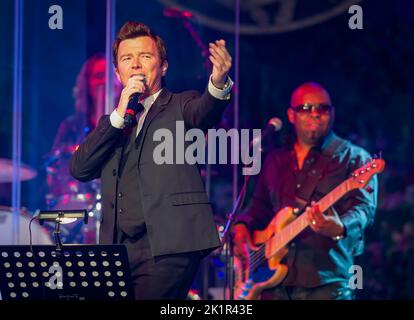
(289, 232)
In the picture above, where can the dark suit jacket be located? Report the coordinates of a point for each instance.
(177, 212)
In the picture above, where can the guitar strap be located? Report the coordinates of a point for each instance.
(307, 188)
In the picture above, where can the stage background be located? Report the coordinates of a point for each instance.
(368, 72)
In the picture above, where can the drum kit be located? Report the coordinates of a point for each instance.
(66, 193)
(63, 193)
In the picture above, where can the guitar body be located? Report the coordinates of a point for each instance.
(251, 278)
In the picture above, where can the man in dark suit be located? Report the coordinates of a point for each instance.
(159, 211)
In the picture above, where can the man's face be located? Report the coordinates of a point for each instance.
(140, 56)
(311, 124)
(96, 81)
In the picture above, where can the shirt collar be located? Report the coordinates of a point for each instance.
(321, 147)
(148, 101)
(327, 141)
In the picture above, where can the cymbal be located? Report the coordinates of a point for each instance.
(6, 171)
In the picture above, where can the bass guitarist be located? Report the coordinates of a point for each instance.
(319, 259)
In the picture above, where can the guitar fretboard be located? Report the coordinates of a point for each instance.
(288, 233)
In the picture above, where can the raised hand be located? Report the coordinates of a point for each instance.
(221, 60)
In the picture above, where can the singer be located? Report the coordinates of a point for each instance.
(318, 259)
(160, 212)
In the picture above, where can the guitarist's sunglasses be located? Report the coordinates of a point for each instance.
(308, 108)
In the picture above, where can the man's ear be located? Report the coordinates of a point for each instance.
(117, 75)
(164, 67)
(291, 115)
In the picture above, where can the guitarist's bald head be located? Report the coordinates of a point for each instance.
(310, 93)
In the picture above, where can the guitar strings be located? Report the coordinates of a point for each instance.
(257, 257)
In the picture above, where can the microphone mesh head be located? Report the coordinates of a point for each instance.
(276, 123)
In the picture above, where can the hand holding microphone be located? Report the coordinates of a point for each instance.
(127, 107)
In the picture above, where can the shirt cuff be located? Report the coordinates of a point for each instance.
(116, 120)
(353, 233)
(221, 94)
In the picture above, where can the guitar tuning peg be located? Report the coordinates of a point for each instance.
(375, 156)
(380, 155)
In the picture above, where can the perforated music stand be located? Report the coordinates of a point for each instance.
(79, 272)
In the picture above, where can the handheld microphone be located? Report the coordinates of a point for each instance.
(132, 107)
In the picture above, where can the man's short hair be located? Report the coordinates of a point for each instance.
(131, 30)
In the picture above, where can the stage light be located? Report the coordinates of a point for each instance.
(59, 217)
(62, 216)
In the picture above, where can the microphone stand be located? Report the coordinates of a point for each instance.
(227, 238)
(56, 233)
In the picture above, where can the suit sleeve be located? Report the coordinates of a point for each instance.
(203, 111)
(86, 163)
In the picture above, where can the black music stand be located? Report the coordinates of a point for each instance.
(77, 272)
